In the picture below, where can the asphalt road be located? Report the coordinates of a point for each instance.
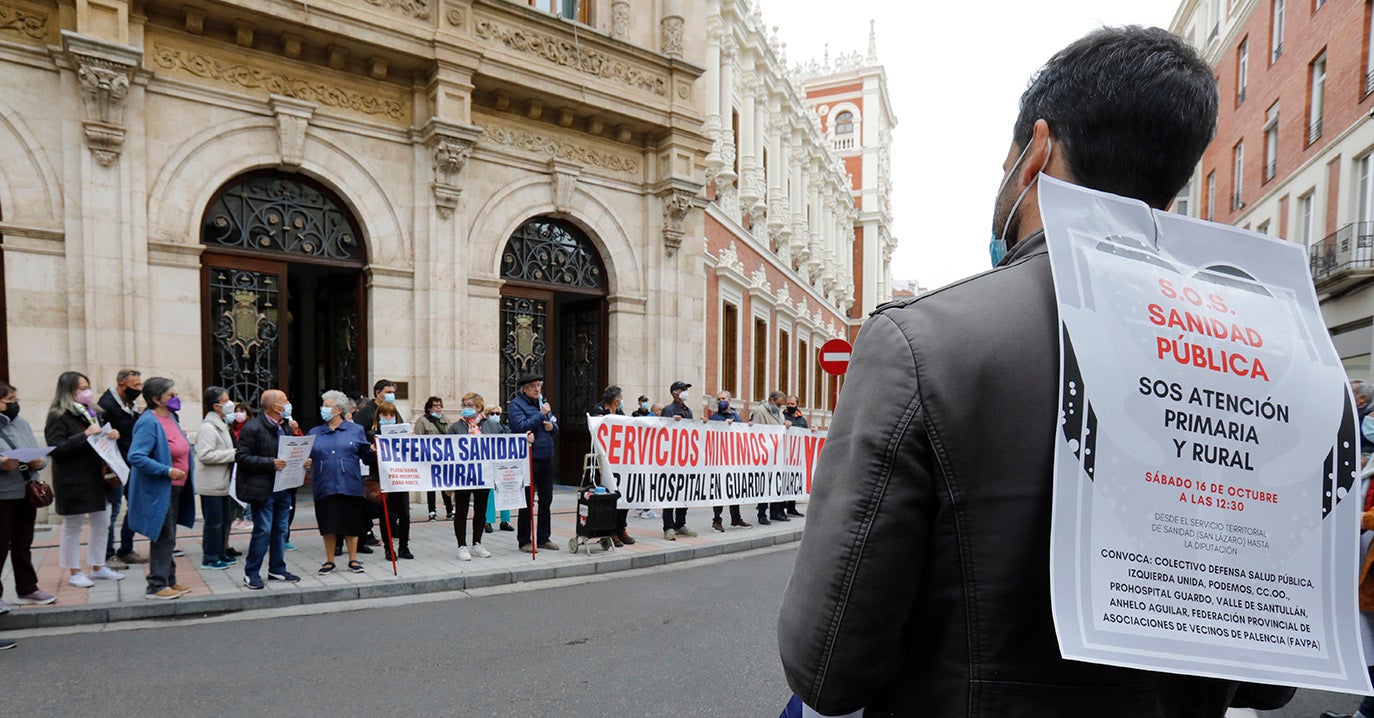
(697, 641)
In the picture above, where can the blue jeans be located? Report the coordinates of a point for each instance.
(126, 534)
(269, 528)
(215, 531)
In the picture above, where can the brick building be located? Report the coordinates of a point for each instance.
(1294, 152)
(798, 228)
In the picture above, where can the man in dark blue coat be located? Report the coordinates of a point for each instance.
(528, 412)
(675, 520)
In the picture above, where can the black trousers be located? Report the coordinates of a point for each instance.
(448, 501)
(773, 509)
(543, 489)
(479, 514)
(398, 512)
(16, 540)
(734, 512)
(674, 518)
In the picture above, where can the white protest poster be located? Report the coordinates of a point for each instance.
(295, 449)
(511, 480)
(234, 487)
(109, 452)
(1203, 521)
(448, 462)
(663, 463)
(26, 454)
(393, 429)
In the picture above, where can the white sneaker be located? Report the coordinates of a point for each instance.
(80, 580)
(479, 551)
(105, 573)
(464, 554)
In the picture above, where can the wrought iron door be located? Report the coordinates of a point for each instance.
(245, 353)
(579, 370)
(524, 340)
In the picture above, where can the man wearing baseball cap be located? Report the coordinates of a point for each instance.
(675, 520)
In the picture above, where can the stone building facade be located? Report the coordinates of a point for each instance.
(446, 193)
(798, 229)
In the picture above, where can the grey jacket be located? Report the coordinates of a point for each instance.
(214, 456)
(921, 584)
(16, 435)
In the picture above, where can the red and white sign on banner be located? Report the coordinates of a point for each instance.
(835, 356)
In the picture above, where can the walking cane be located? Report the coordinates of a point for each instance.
(386, 517)
(534, 524)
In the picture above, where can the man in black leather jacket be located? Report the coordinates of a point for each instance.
(921, 586)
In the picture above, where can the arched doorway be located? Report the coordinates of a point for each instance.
(284, 291)
(553, 322)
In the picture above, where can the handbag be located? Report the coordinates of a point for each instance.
(372, 491)
(38, 493)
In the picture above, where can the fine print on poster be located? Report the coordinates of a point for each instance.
(1204, 517)
(663, 463)
(109, 452)
(451, 462)
(295, 450)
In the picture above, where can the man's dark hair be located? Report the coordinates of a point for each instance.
(1132, 107)
(611, 394)
(154, 388)
(125, 374)
(382, 384)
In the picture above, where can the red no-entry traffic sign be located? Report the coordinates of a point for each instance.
(835, 356)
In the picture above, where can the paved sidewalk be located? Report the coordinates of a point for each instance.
(435, 567)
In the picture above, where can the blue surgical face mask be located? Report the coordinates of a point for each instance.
(286, 411)
(387, 421)
(326, 413)
(437, 414)
(644, 405)
(997, 247)
(469, 412)
(389, 396)
(1367, 427)
(723, 406)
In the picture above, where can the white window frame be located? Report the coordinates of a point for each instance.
(1211, 196)
(1306, 215)
(1238, 176)
(1271, 142)
(1276, 31)
(1183, 201)
(1242, 70)
(1317, 96)
(1364, 188)
(730, 291)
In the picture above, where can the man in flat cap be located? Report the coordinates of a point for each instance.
(528, 412)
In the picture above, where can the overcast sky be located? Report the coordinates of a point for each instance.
(955, 71)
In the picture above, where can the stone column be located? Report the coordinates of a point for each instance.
(800, 240)
(620, 19)
(726, 142)
(711, 128)
(748, 191)
(671, 29)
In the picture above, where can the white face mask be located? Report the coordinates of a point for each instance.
(227, 407)
(683, 396)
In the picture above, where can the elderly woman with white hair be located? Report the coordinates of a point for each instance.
(338, 480)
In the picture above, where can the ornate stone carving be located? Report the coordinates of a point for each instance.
(563, 180)
(103, 70)
(279, 83)
(728, 257)
(550, 147)
(451, 146)
(566, 54)
(677, 204)
(620, 19)
(293, 117)
(23, 22)
(671, 36)
(419, 9)
(760, 280)
(455, 16)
